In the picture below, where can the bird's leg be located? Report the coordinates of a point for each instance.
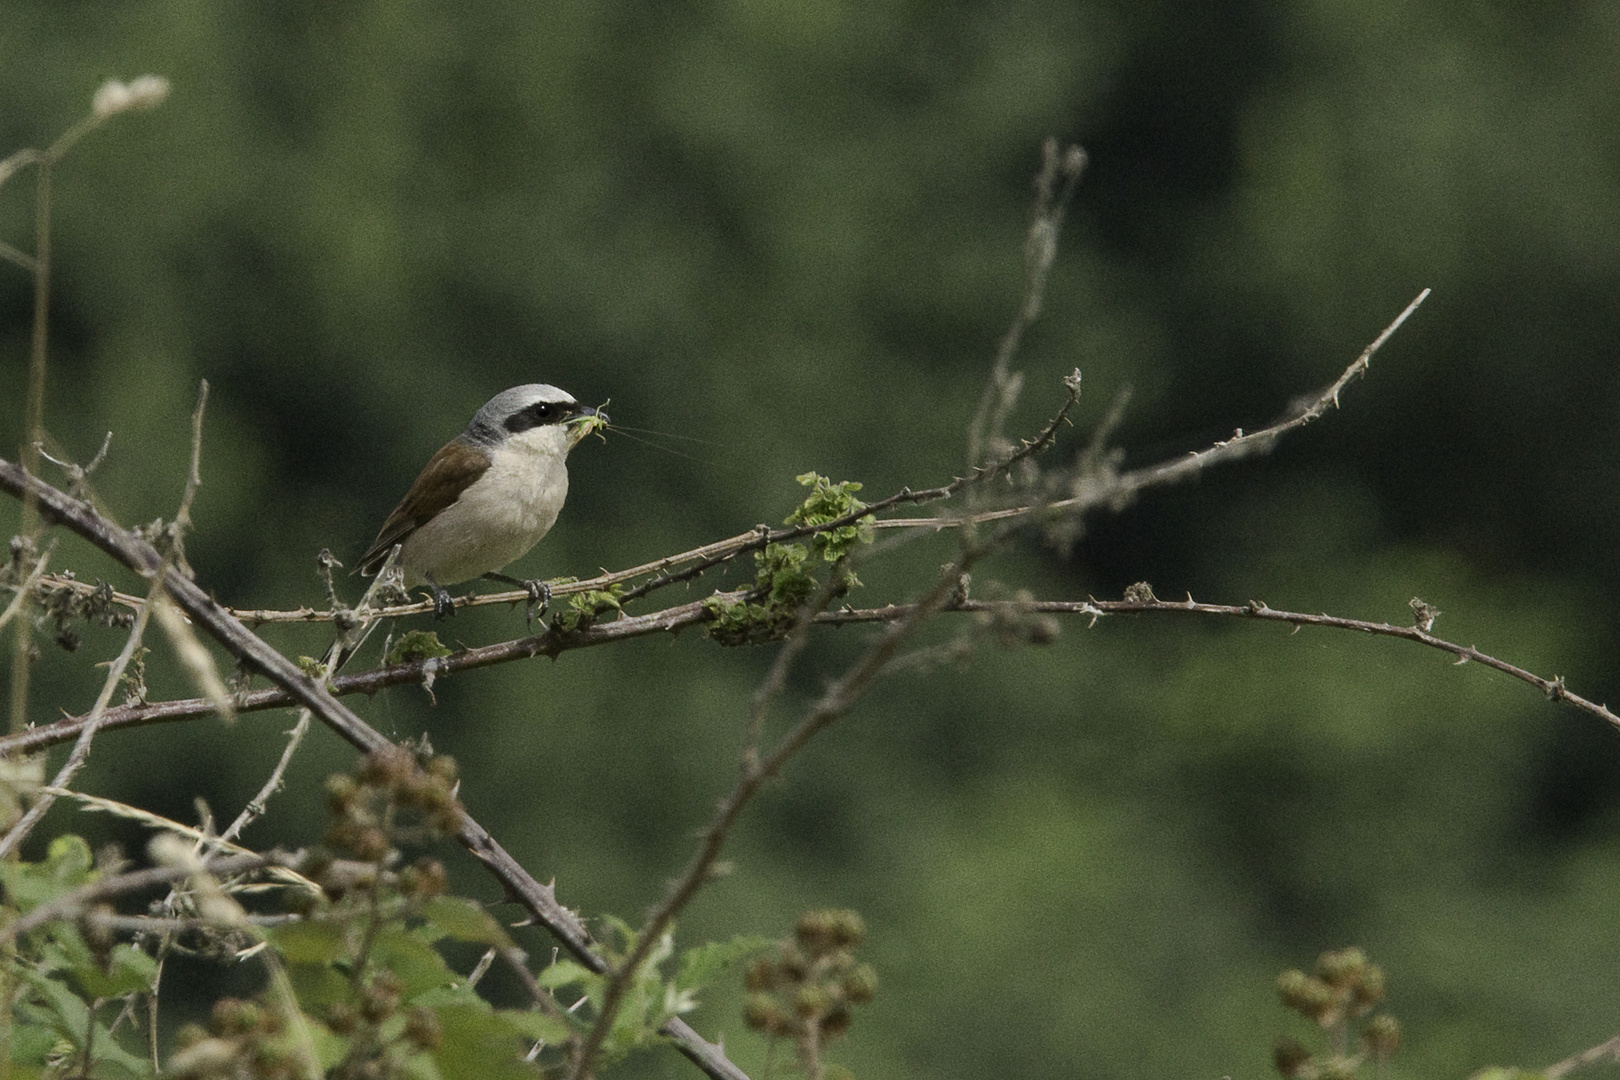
(539, 592)
(444, 605)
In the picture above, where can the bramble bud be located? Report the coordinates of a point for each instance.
(341, 791)
(1340, 969)
(208, 1058)
(761, 1013)
(341, 1017)
(1369, 988)
(233, 1016)
(1382, 1037)
(379, 1000)
(792, 964)
(370, 845)
(427, 878)
(1306, 995)
(810, 1000)
(860, 985)
(387, 766)
(1336, 1068)
(761, 975)
(1289, 1057)
(423, 1030)
(821, 932)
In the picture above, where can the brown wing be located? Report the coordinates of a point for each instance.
(452, 471)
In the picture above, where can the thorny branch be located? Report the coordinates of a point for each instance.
(672, 620)
(254, 653)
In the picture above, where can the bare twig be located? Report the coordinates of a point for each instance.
(1609, 1050)
(1054, 184)
(257, 805)
(25, 589)
(71, 904)
(1553, 688)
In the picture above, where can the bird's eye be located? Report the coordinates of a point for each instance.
(541, 412)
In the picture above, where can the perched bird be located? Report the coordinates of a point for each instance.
(488, 496)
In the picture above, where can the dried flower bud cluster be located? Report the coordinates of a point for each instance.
(1344, 989)
(146, 92)
(804, 991)
(368, 807)
(1018, 623)
(243, 1039)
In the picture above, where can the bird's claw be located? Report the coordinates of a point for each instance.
(539, 599)
(444, 605)
(539, 593)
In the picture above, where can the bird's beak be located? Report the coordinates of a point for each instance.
(587, 421)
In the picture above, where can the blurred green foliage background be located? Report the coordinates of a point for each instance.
(792, 229)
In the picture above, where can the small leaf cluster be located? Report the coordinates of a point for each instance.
(829, 502)
(415, 645)
(585, 608)
(64, 978)
(783, 581)
(805, 989)
(654, 998)
(781, 586)
(1339, 997)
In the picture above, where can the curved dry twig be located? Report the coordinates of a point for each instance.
(1553, 688)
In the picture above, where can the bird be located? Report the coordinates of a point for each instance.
(488, 496)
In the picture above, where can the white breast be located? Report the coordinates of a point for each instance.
(499, 517)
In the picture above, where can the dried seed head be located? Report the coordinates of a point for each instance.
(113, 97)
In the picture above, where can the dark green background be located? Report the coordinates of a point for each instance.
(792, 229)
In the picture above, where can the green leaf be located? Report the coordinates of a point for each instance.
(416, 645)
(64, 1010)
(67, 866)
(465, 920)
(69, 860)
(477, 1044)
(567, 973)
(702, 963)
(53, 1004)
(536, 1026)
(318, 986)
(31, 1042)
(310, 941)
(418, 964)
(459, 994)
(128, 971)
